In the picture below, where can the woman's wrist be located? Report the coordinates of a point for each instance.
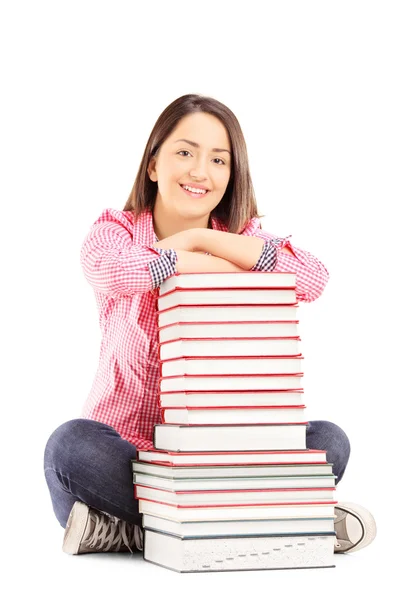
(199, 239)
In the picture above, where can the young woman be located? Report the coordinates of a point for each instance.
(192, 209)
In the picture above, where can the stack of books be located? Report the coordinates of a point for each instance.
(230, 484)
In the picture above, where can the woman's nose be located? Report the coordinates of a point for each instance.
(199, 171)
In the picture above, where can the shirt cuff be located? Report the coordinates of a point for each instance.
(162, 267)
(268, 257)
(280, 242)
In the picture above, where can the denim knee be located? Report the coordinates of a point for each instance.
(324, 435)
(64, 443)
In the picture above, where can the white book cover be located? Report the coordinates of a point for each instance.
(238, 415)
(238, 553)
(234, 483)
(232, 365)
(232, 528)
(232, 347)
(179, 383)
(231, 399)
(233, 471)
(225, 296)
(237, 460)
(243, 329)
(233, 497)
(194, 438)
(237, 513)
(227, 313)
(245, 279)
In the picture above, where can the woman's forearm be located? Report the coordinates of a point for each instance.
(195, 262)
(183, 240)
(242, 250)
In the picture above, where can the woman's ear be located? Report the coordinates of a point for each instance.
(151, 169)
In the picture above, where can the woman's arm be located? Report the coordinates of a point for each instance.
(183, 240)
(198, 262)
(244, 250)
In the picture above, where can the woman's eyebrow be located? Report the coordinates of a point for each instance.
(196, 145)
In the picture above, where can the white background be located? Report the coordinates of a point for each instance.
(315, 86)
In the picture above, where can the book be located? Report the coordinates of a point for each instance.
(239, 553)
(230, 399)
(245, 279)
(201, 471)
(233, 483)
(194, 438)
(232, 365)
(229, 483)
(232, 347)
(228, 497)
(238, 415)
(320, 526)
(226, 296)
(234, 382)
(203, 313)
(218, 330)
(297, 510)
(232, 459)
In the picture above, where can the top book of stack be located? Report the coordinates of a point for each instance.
(267, 287)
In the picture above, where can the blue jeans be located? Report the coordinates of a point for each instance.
(89, 461)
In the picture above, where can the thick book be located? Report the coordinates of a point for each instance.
(238, 553)
(226, 296)
(230, 399)
(201, 471)
(238, 415)
(227, 313)
(232, 347)
(295, 510)
(194, 438)
(238, 329)
(233, 459)
(236, 382)
(229, 497)
(231, 528)
(246, 279)
(234, 483)
(232, 365)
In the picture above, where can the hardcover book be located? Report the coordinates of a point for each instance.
(187, 555)
(203, 313)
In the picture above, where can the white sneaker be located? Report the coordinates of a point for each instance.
(90, 530)
(355, 527)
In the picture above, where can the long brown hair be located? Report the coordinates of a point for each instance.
(238, 204)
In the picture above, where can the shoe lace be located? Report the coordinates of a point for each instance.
(110, 531)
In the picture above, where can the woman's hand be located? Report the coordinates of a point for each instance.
(183, 240)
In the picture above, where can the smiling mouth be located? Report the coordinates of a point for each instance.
(193, 194)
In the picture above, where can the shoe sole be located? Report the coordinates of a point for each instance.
(75, 528)
(367, 522)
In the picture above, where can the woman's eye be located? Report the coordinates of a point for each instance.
(220, 159)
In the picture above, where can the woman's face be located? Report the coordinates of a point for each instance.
(206, 165)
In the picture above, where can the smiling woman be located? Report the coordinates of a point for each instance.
(198, 173)
(196, 141)
(194, 191)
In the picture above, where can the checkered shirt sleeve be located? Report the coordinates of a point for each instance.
(162, 267)
(311, 274)
(268, 258)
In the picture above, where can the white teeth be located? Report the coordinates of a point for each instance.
(194, 190)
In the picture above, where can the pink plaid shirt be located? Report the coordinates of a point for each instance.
(115, 258)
